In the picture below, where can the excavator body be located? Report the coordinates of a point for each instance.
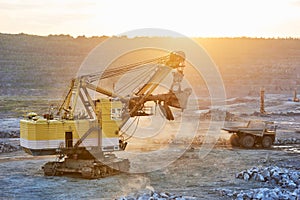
(84, 142)
(42, 136)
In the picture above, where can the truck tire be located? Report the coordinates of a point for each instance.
(266, 142)
(247, 141)
(234, 140)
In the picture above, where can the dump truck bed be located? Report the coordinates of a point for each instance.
(231, 129)
(255, 131)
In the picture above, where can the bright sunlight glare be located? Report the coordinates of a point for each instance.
(197, 18)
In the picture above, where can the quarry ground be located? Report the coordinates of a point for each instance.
(22, 178)
(197, 172)
(35, 73)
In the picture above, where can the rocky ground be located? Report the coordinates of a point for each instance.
(188, 177)
(285, 182)
(9, 135)
(182, 169)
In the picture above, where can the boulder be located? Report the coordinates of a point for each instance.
(246, 176)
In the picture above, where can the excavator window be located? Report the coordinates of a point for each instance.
(116, 114)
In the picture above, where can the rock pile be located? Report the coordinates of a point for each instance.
(262, 194)
(275, 114)
(10, 128)
(9, 134)
(286, 184)
(282, 141)
(218, 115)
(5, 147)
(157, 196)
(274, 175)
(286, 114)
(199, 140)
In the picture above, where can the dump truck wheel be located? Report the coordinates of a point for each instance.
(247, 141)
(234, 140)
(267, 142)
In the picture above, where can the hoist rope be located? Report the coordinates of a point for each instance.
(133, 130)
(121, 70)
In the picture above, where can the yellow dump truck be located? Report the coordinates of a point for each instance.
(254, 133)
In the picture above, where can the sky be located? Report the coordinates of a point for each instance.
(193, 18)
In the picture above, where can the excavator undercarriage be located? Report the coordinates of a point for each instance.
(86, 163)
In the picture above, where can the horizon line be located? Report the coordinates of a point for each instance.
(149, 36)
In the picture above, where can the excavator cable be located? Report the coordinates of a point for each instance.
(137, 80)
(113, 72)
(137, 124)
(132, 81)
(127, 128)
(125, 68)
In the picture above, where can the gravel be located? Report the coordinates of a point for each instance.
(5, 147)
(283, 141)
(285, 184)
(9, 128)
(12, 134)
(262, 194)
(157, 196)
(274, 175)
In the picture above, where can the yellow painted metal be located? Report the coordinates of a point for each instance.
(110, 117)
(157, 78)
(45, 134)
(42, 129)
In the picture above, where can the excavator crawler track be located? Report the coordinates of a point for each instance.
(89, 169)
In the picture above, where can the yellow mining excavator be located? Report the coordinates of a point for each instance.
(84, 141)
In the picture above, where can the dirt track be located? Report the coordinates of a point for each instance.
(189, 175)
